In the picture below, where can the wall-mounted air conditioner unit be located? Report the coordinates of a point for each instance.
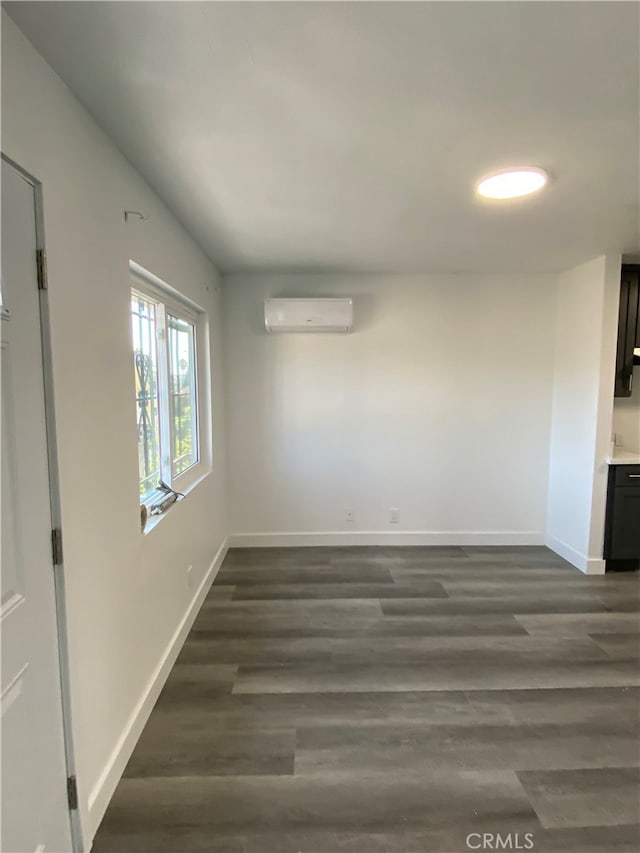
(308, 315)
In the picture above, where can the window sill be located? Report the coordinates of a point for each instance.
(154, 520)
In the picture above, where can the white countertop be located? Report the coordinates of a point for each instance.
(624, 457)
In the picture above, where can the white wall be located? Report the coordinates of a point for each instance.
(126, 593)
(438, 403)
(582, 410)
(626, 416)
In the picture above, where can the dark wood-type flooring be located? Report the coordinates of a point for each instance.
(393, 700)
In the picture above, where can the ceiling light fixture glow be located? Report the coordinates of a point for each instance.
(512, 183)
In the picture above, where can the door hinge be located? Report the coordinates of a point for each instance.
(41, 259)
(72, 793)
(56, 546)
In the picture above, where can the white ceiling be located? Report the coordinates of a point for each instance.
(347, 136)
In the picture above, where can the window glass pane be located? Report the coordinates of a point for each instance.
(143, 322)
(182, 395)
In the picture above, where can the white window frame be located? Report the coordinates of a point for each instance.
(169, 301)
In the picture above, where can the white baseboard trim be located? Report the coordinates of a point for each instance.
(588, 565)
(596, 566)
(386, 537)
(105, 786)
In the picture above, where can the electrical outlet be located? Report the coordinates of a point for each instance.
(349, 516)
(394, 515)
(189, 577)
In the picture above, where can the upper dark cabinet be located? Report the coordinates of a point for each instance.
(628, 328)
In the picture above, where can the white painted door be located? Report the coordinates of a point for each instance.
(35, 813)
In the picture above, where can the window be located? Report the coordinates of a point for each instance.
(182, 394)
(165, 353)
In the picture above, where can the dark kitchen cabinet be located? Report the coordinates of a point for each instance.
(628, 328)
(622, 528)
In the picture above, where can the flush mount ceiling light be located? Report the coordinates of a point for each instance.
(512, 183)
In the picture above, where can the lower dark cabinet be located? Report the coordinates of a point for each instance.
(622, 530)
